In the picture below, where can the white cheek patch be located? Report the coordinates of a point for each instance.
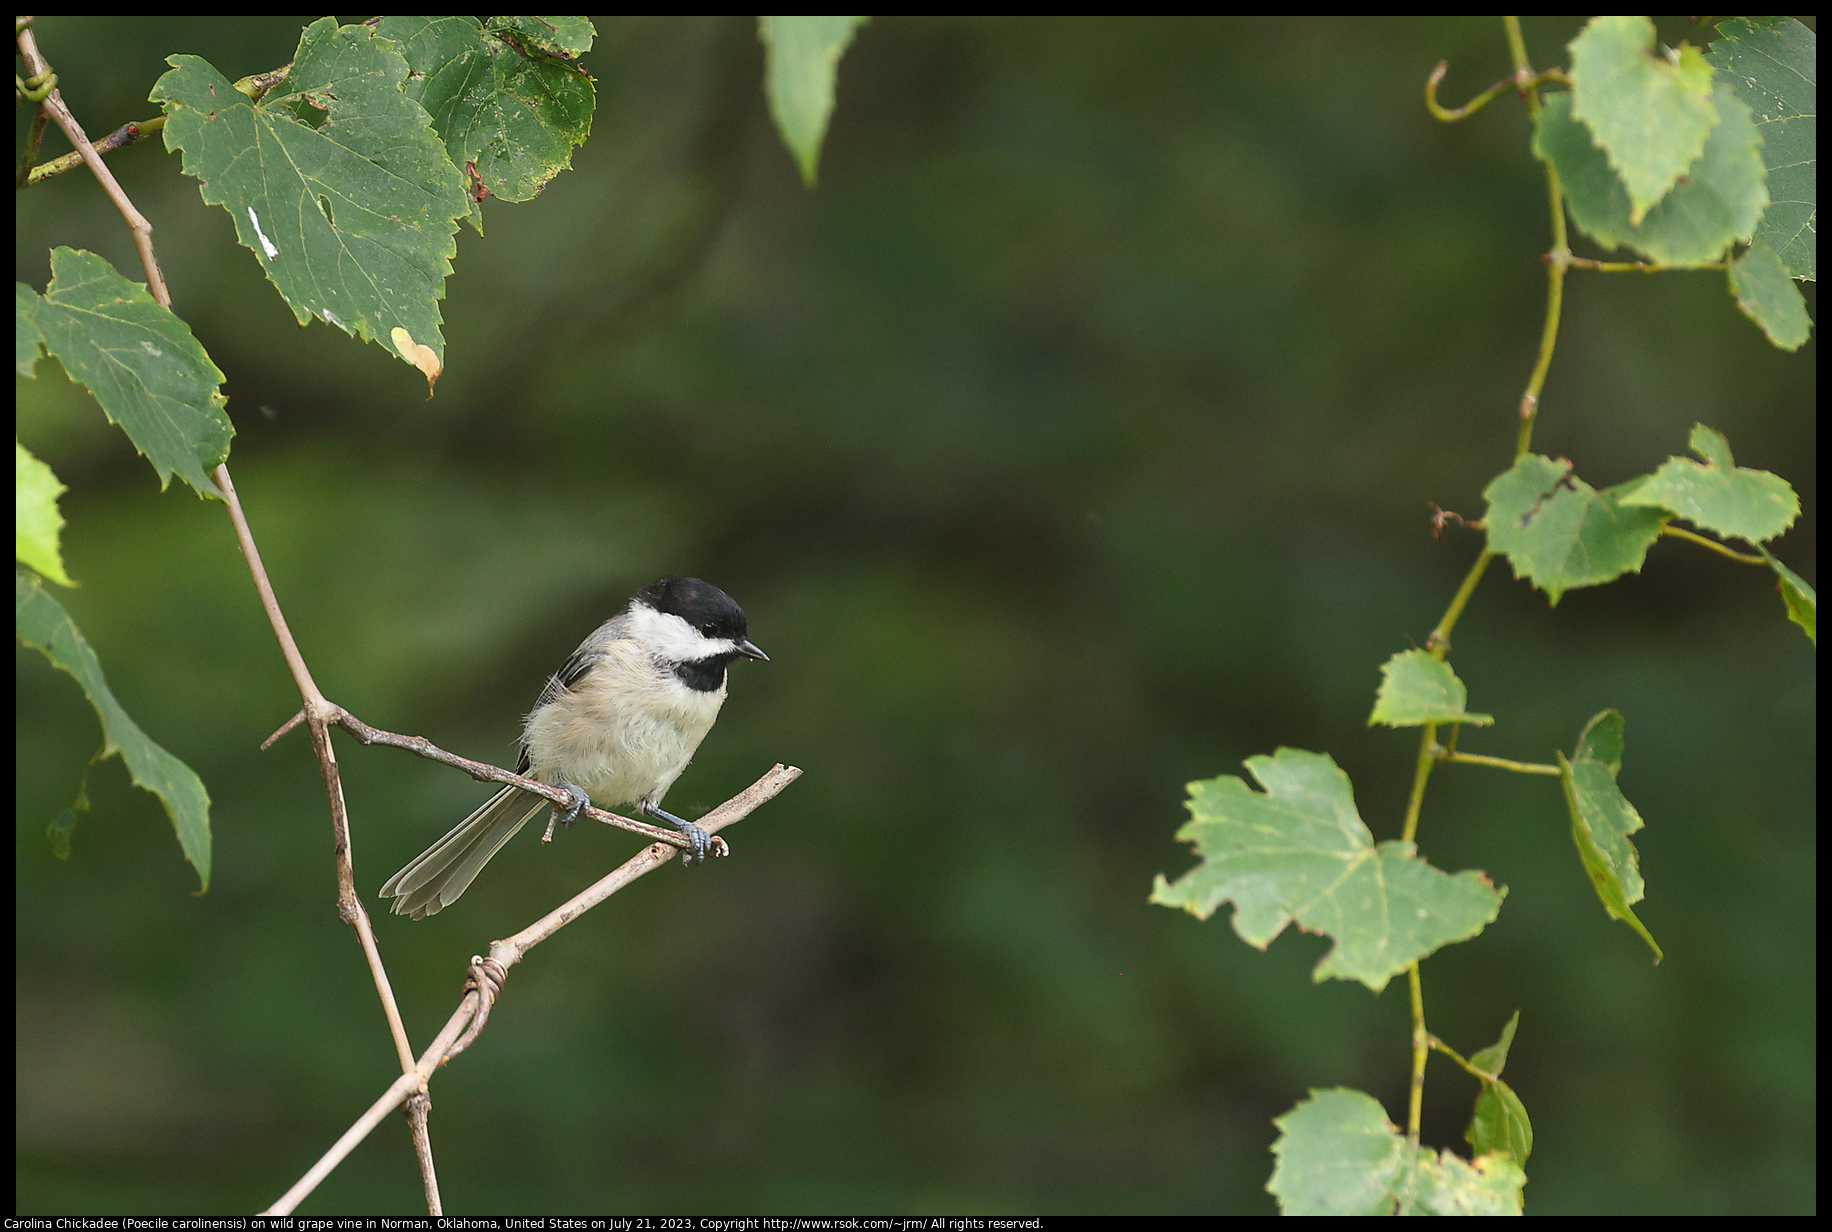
(673, 639)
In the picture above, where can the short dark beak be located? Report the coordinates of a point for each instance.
(745, 646)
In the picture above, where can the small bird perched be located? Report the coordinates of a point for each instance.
(619, 722)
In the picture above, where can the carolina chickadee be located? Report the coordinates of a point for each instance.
(618, 723)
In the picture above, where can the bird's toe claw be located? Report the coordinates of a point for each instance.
(699, 843)
(580, 800)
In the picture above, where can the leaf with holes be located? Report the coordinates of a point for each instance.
(335, 180)
(1560, 533)
(506, 96)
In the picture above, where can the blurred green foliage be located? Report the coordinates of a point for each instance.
(1072, 442)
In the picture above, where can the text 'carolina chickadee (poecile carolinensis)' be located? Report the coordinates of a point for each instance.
(618, 723)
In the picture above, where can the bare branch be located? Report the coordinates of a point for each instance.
(484, 978)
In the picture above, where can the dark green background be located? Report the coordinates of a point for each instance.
(1073, 441)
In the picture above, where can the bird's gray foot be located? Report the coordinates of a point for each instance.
(580, 800)
(701, 844)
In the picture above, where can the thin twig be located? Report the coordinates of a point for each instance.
(1500, 763)
(1641, 267)
(1438, 1045)
(33, 139)
(127, 134)
(1680, 532)
(1452, 114)
(1520, 82)
(1415, 1099)
(473, 1006)
(418, 1107)
(289, 649)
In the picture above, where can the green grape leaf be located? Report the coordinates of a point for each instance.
(1717, 494)
(1602, 819)
(1560, 533)
(1801, 599)
(1767, 296)
(335, 180)
(42, 624)
(1300, 852)
(1338, 1154)
(1500, 1120)
(36, 520)
(507, 96)
(803, 55)
(1416, 688)
(1499, 1124)
(1718, 204)
(146, 370)
(1649, 113)
(1773, 65)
